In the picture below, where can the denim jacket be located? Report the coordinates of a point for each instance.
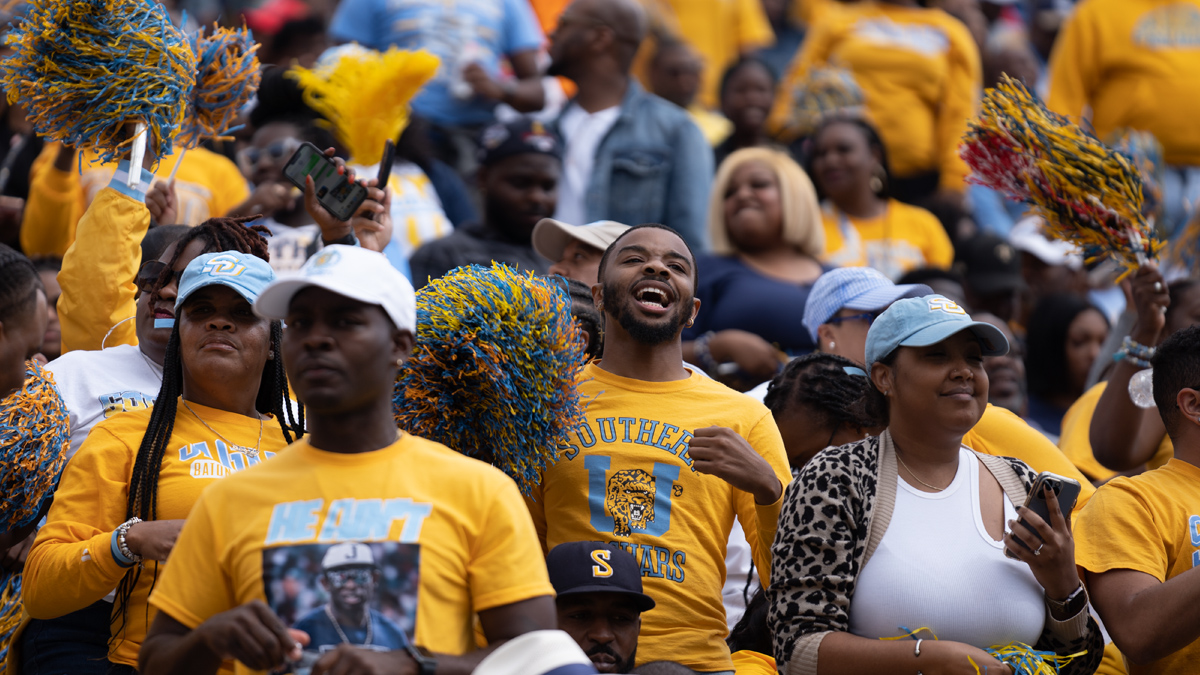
(654, 166)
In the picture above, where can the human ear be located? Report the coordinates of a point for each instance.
(882, 377)
(824, 337)
(402, 345)
(1188, 401)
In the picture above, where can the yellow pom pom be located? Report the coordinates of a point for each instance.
(364, 94)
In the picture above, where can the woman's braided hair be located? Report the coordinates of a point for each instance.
(820, 383)
(219, 234)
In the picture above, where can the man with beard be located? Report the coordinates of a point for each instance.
(665, 458)
(630, 156)
(350, 577)
(519, 175)
(598, 590)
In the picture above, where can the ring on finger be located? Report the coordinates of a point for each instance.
(1158, 287)
(1039, 549)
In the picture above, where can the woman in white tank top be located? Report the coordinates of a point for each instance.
(907, 531)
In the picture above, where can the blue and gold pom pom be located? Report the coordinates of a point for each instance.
(227, 75)
(1088, 193)
(85, 68)
(34, 435)
(494, 369)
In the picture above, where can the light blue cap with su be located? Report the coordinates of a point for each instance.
(924, 321)
(245, 273)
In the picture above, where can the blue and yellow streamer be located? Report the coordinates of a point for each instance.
(494, 369)
(34, 435)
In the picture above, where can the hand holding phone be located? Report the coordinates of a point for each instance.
(1066, 490)
(1042, 537)
(335, 191)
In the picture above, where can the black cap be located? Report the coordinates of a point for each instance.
(523, 136)
(596, 567)
(990, 265)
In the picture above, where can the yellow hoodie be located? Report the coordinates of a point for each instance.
(1135, 64)
(920, 75)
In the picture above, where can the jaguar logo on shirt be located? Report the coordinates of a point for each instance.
(630, 500)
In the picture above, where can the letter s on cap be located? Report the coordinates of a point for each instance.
(601, 569)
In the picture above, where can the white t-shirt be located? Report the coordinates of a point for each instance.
(582, 133)
(96, 385)
(938, 568)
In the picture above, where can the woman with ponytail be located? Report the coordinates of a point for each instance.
(122, 500)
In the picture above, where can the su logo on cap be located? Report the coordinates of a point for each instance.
(602, 568)
(945, 305)
(223, 266)
(326, 258)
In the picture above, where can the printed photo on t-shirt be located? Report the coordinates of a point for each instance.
(358, 593)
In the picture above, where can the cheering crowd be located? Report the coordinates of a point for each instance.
(844, 411)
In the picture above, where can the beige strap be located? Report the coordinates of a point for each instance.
(1006, 476)
(885, 495)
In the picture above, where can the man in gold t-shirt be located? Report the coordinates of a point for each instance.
(666, 458)
(1138, 539)
(449, 536)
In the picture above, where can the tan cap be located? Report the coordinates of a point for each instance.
(550, 236)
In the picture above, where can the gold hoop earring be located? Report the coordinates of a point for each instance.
(876, 182)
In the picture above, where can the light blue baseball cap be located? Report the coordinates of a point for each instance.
(243, 272)
(859, 288)
(924, 321)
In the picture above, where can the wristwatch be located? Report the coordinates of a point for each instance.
(1075, 603)
(426, 665)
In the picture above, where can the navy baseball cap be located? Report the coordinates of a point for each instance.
(595, 567)
(245, 273)
(522, 136)
(920, 322)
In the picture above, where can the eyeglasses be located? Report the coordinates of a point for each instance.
(148, 274)
(248, 158)
(360, 577)
(869, 317)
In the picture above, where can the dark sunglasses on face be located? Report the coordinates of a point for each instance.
(338, 578)
(148, 274)
(251, 156)
(869, 317)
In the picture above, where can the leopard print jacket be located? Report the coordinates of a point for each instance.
(829, 525)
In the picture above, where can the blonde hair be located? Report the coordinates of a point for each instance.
(802, 226)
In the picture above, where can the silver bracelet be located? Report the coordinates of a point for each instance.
(121, 545)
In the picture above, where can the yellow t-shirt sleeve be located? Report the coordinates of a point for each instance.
(814, 53)
(71, 564)
(195, 587)
(53, 207)
(507, 564)
(1000, 432)
(1119, 530)
(1072, 69)
(759, 521)
(746, 662)
(960, 100)
(754, 30)
(98, 272)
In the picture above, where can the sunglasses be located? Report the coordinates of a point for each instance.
(148, 274)
(360, 577)
(869, 317)
(249, 157)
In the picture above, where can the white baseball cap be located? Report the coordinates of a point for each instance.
(1028, 235)
(357, 273)
(347, 555)
(550, 236)
(540, 652)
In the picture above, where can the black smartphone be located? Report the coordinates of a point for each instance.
(385, 165)
(335, 192)
(1065, 489)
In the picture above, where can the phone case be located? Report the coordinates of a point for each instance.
(334, 192)
(1066, 489)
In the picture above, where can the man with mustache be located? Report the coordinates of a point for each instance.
(520, 167)
(600, 601)
(665, 458)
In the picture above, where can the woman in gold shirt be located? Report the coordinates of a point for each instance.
(863, 225)
(921, 78)
(223, 406)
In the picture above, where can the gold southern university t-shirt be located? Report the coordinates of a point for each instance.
(625, 477)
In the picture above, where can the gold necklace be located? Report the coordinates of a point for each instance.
(250, 452)
(914, 475)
